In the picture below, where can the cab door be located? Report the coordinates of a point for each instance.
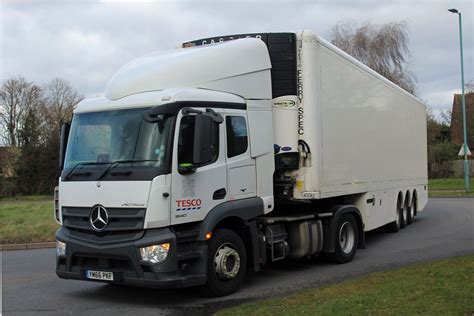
(197, 187)
(241, 173)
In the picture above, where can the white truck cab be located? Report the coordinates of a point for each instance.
(206, 161)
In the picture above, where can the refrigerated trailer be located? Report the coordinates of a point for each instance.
(230, 153)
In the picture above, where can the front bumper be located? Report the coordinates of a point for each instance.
(185, 265)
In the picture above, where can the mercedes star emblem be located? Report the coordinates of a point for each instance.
(99, 218)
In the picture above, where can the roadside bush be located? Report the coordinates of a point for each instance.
(444, 151)
(439, 156)
(7, 187)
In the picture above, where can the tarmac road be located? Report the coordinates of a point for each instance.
(30, 286)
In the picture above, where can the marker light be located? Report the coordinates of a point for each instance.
(208, 235)
(60, 248)
(155, 253)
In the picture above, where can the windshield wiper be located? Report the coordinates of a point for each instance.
(116, 163)
(70, 173)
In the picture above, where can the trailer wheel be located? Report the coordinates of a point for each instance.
(347, 239)
(410, 212)
(415, 203)
(227, 263)
(404, 216)
(394, 227)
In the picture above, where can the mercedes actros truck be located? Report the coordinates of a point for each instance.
(232, 152)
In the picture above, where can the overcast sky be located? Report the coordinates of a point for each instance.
(85, 42)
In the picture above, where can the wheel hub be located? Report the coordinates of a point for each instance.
(346, 237)
(227, 262)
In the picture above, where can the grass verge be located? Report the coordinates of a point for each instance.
(448, 184)
(27, 220)
(442, 287)
(448, 193)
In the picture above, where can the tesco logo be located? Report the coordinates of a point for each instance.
(189, 203)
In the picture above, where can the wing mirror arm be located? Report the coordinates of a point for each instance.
(216, 117)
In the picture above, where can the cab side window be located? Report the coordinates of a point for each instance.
(237, 142)
(186, 142)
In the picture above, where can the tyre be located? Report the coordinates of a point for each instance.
(410, 213)
(415, 204)
(347, 239)
(394, 227)
(227, 263)
(404, 216)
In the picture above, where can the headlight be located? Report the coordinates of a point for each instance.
(155, 253)
(60, 248)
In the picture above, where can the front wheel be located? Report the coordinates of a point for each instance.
(347, 239)
(227, 263)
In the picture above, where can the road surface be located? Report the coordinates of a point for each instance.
(30, 286)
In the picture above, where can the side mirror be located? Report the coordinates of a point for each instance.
(186, 169)
(202, 139)
(197, 139)
(63, 143)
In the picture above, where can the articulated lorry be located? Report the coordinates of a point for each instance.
(229, 153)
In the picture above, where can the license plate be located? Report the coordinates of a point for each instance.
(100, 275)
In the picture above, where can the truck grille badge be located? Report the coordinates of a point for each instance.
(99, 218)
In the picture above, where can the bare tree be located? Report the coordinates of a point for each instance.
(469, 87)
(384, 48)
(60, 98)
(17, 95)
(446, 116)
(31, 117)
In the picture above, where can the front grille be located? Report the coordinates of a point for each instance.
(102, 262)
(124, 223)
(106, 238)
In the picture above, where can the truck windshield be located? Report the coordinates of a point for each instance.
(113, 136)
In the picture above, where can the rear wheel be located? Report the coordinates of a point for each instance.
(404, 216)
(394, 227)
(227, 262)
(410, 212)
(415, 204)
(347, 239)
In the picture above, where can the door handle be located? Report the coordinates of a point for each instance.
(219, 194)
